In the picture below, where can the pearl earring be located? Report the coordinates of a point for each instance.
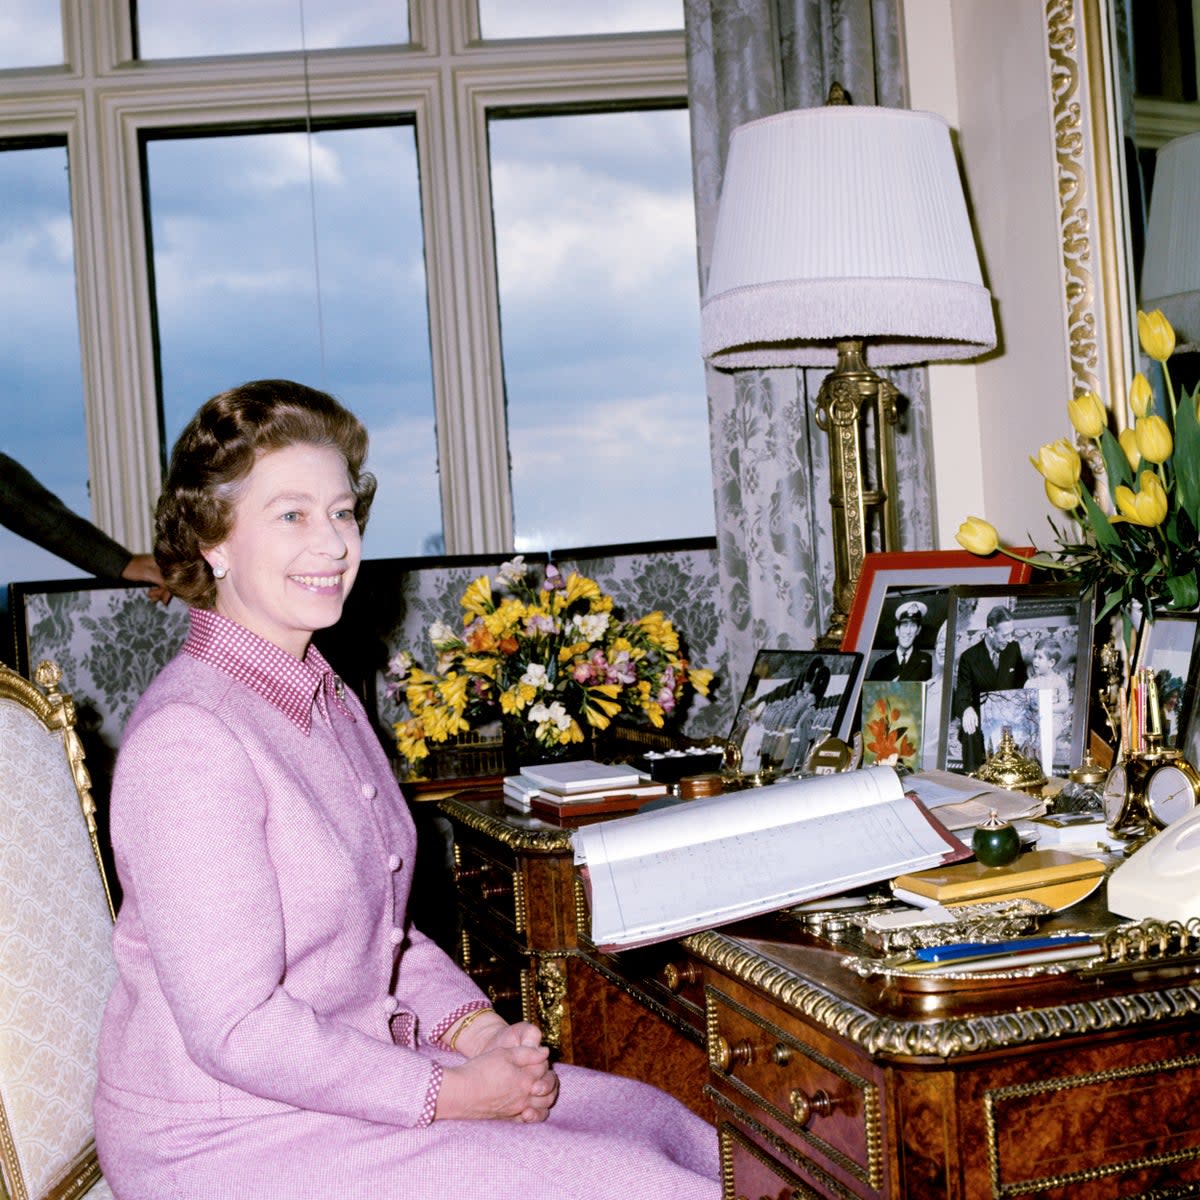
(220, 572)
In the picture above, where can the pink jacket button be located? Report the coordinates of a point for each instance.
(390, 1005)
(397, 935)
(393, 862)
(368, 791)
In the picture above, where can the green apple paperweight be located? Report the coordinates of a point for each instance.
(996, 843)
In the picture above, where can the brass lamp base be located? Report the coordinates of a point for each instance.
(857, 409)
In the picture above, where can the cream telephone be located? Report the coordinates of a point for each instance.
(1162, 878)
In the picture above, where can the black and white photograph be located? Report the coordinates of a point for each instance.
(1166, 647)
(1018, 658)
(793, 700)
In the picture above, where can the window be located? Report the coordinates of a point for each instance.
(39, 343)
(351, 204)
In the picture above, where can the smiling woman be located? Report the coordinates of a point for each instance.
(279, 1027)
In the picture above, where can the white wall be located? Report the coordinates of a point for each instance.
(984, 67)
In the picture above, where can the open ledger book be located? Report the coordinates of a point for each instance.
(672, 871)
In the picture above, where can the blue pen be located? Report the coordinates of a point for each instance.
(1014, 946)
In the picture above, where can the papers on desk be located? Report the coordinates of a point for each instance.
(672, 871)
(960, 802)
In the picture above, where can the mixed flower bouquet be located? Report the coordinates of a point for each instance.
(551, 660)
(1147, 550)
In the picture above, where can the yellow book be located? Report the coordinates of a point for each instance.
(1054, 877)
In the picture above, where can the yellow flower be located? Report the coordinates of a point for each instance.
(579, 587)
(454, 692)
(1153, 438)
(477, 598)
(1087, 414)
(1128, 440)
(1064, 498)
(660, 631)
(1140, 395)
(1156, 335)
(700, 678)
(1059, 463)
(978, 536)
(410, 740)
(1148, 506)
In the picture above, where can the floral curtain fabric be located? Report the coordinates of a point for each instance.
(748, 59)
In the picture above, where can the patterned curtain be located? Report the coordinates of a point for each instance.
(748, 59)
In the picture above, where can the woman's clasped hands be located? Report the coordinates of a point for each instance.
(507, 1075)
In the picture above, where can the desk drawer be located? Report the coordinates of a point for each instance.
(754, 1172)
(491, 884)
(808, 1086)
(502, 972)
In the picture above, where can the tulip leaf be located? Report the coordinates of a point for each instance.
(1116, 465)
(1186, 459)
(1185, 595)
(1105, 534)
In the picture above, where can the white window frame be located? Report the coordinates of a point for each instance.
(446, 79)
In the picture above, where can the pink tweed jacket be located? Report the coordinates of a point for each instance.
(272, 1028)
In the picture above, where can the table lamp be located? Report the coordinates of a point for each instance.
(841, 225)
(1171, 262)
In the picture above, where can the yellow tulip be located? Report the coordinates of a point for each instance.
(1128, 441)
(1064, 498)
(1087, 414)
(1153, 438)
(1140, 395)
(1059, 463)
(1147, 506)
(978, 536)
(1156, 335)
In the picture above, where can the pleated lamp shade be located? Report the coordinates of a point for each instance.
(843, 222)
(1171, 263)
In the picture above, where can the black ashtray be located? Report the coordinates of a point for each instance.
(670, 766)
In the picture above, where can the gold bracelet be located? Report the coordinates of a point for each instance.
(464, 1023)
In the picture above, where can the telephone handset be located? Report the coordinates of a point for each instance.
(1162, 878)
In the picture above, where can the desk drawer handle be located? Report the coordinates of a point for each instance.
(498, 995)
(490, 891)
(804, 1107)
(729, 1056)
(675, 975)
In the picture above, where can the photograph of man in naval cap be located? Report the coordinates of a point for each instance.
(907, 660)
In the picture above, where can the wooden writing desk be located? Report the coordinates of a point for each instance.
(822, 1082)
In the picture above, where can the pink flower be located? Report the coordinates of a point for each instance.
(582, 672)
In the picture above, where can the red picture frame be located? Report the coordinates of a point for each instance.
(930, 568)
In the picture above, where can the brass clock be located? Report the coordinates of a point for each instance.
(1146, 792)
(1172, 790)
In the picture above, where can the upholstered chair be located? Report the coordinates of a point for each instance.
(56, 965)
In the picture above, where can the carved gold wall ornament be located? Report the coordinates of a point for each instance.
(1094, 270)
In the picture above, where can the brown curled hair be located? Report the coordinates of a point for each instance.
(217, 451)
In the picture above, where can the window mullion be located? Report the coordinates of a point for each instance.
(464, 319)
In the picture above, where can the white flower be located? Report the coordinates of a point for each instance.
(553, 714)
(440, 633)
(400, 664)
(535, 676)
(591, 626)
(512, 571)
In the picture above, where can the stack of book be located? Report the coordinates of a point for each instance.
(571, 792)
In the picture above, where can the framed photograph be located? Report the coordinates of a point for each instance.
(888, 581)
(793, 700)
(1017, 658)
(1167, 646)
